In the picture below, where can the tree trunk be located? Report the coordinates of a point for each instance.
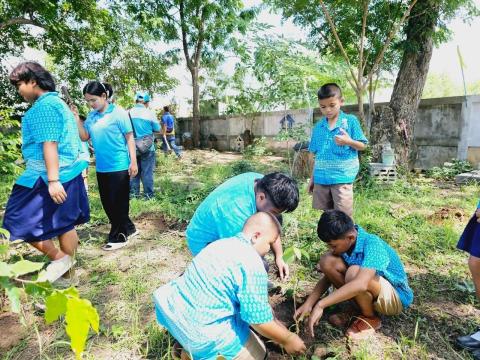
(361, 112)
(196, 108)
(396, 122)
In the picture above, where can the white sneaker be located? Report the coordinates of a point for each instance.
(110, 246)
(136, 233)
(57, 268)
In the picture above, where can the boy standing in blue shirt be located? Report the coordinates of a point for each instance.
(210, 308)
(362, 267)
(224, 211)
(336, 140)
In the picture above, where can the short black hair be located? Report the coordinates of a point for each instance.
(333, 225)
(31, 70)
(166, 109)
(329, 90)
(97, 88)
(281, 190)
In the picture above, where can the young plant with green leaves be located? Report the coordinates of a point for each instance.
(80, 315)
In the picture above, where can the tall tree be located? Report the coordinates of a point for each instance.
(205, 29)
(362, 33)
(396, 122)
(63, 28)
(275, 73)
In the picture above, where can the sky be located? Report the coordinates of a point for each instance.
(444, 59)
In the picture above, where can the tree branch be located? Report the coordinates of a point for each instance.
(339, 42)
(361, 64)
(201, 33)
(20, 21)
(387, 42)
(183, 25)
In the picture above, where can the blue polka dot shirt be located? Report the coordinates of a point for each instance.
(335, 164)
(209, 308)
(50, 119)
(372, 252)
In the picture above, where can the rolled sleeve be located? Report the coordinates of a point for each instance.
(124, 123)
(356, 130)
(375, 257)
(312, 147)
(253, 298)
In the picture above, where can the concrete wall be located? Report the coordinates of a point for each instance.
(446, 128)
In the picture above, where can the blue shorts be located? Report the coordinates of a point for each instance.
(470, 239)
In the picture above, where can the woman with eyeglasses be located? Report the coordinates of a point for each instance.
(110, 130)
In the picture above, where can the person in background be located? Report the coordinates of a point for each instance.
(145, 123)
(110, 130)
(49, 199)
(168, 132)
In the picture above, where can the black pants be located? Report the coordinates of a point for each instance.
(114, 188)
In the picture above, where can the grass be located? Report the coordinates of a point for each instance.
(420, 218)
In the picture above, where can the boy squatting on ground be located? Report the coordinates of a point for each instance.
(224, 211)
(336, 140)
(210, 308)
(362, 267)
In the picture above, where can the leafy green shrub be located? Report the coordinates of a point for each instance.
(80, 315)
(242, 166)
(449, 170)
(258, 148)
(10, 143)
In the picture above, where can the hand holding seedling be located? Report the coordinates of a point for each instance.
(343, 138)
(303, 311)
(477, 214)
(293, 344)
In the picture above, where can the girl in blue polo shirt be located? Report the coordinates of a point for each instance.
(49, 198)
(110, 130)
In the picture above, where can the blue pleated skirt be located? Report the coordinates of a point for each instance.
(470, 239)
(31, 215)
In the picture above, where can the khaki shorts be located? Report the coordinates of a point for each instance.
(254, 349)
(388, 301)
(338, 197)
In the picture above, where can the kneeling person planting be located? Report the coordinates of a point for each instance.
(210, 308)
(362, 267)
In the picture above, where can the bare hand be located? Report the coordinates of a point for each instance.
(294, 345)
(283, 269)
(302, 312)
(133, 170)
(57, 192)
(314, 319)
(311, 184)
(477, 214)
(74, 110)
(343, 138)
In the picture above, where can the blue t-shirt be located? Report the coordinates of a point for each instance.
(169, 121)
(107, 131)
(223, 212)
(144, 121)
(209, 308)
(335, 164)
(50, 119)
(372, 252)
